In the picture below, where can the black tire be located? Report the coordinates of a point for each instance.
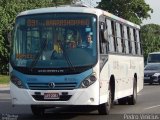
(104, 108)
(122, 101)
(37, 110)
(158, 81)
(133, 98)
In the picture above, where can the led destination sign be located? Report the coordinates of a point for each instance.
(81, 22)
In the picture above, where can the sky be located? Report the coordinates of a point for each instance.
(154, 4)
(155, 16)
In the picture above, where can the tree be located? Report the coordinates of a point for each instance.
(9, 9)
(150, 35)
(132, 10)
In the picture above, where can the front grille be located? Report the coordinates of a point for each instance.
(41, 98)
(58, 86)
(148, 75)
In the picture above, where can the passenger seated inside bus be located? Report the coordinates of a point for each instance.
(52, 50)
(57, 50)
(87, 43)
(72, 44)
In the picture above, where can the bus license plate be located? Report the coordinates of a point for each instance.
(51, 96)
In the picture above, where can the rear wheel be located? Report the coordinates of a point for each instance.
(37, 110)
(104, 108)
(122, 101)
(133, 98)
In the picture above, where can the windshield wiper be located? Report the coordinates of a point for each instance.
(37, 56)
(66, 57)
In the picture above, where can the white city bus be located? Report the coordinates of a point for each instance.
(52, 65)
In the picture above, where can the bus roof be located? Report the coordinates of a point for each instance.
(71, 9)
(62, 9)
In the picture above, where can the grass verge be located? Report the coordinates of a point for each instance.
(4, 79)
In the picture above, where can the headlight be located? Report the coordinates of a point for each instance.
(156, 74)
(88, 81)
(17, 82)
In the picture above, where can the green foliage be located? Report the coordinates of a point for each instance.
(132, 10)
(4, 79)
(9, 9)
(150, 35)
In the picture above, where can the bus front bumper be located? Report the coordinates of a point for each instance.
(87, 96)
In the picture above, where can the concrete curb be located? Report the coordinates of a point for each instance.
(4, 87)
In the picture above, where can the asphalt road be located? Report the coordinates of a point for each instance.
(147, 107)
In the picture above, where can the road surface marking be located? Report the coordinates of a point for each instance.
(152, 107)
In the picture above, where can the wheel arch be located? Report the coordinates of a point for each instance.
(135, 77)
(112, 84)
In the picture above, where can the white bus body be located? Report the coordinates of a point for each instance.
(115, 73)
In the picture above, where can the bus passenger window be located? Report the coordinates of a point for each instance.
(122, 39)
(129, 40)
(103, 43)
(138, 43)
(110, 36)
(114, 35)
(132, 41)
(126, 42)
(135, 41)
(118, 37)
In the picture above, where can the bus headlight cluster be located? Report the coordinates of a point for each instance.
(17, 82)
(88, 81)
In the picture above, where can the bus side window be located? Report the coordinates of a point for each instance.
(129, 40)
(118, 37)
(114, 35)
(110, 37)
(103, 39)
(138, 43)
(122, 39)
(126, 40)
(135, 41)
(132, 41)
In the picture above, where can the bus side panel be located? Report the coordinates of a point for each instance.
(140, 75)
(123, 68)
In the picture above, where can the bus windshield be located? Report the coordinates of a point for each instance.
(55, 40)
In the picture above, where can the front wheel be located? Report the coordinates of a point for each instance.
(37, 110)
(122, 101)
(104, 108)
